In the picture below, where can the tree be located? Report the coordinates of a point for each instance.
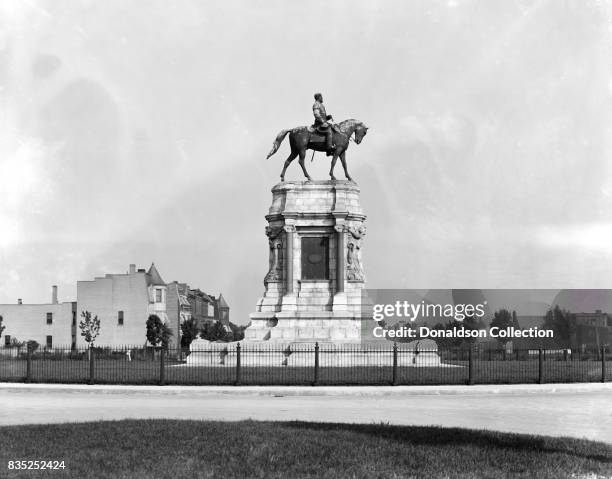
(563, 324)
(32, 345)
(472, 322)
(90, 327)
(189, 332)
(503, 319)
(2, 328)
(157, 331)
(515, 322)
(15, 343)
(214, 331)
(219, 331)
(238, 331)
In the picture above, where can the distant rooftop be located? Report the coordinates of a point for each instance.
(222, 302)
(153, 277)
(202, 294)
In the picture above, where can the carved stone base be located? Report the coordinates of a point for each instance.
(315, 277)
(337, 353)
(322, 326)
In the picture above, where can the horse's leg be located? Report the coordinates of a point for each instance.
(333, 165)
(333, 161)
(343, 160)
(288, 161)
(302, 156)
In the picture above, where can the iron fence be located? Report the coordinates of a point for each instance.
(308, 364)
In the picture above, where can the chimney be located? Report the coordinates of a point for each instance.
(54, 294)
(19, 301)
(132, 268)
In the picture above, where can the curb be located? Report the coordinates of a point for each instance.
(278, 391)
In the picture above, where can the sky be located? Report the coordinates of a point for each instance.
(137, 131)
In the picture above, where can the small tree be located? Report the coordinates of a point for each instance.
(189, 332)
(2, 328)
(515, 321)
(32, 345)
(207, 331)
(90, 328)
(238, 331)
(15, 343)
(157, 331)
(563, 323)
(503, 319)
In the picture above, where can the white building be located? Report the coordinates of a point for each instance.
(123, 303)
(52, 325)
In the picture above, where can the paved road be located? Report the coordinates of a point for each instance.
(556, 411)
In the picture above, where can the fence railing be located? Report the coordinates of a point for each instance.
(319, 364)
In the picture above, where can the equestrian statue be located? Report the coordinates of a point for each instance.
(323, 135)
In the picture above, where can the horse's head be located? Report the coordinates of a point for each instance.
(360, 132)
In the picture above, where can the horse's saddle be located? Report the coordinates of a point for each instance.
(318, 129)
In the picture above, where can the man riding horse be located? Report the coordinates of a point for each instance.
(321, 124)
(337, 137)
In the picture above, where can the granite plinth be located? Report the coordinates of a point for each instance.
(302, 354)
(310, 294)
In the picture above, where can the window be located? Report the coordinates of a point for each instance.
(7, 339)
(74, 318)
(158, 295)
(49, 318)
(315, 257)
(120, 318)
(49, 342)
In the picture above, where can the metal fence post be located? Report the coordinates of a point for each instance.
(603, 364)
(92, 356)
(28, 363)
(316, 365)
(162, 368)
(470, 366)
(237, 364)
(394, 364)
(540, 366)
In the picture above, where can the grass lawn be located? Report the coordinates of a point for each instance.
(248, 449)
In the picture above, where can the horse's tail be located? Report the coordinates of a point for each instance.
(277, 142)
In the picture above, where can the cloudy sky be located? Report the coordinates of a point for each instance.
(136, 131)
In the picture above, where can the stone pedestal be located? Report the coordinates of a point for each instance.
(315, 276)
(269, 354)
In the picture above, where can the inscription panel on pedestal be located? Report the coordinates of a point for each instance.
(315, 257)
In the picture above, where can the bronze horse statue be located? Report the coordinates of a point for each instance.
(303, 138)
